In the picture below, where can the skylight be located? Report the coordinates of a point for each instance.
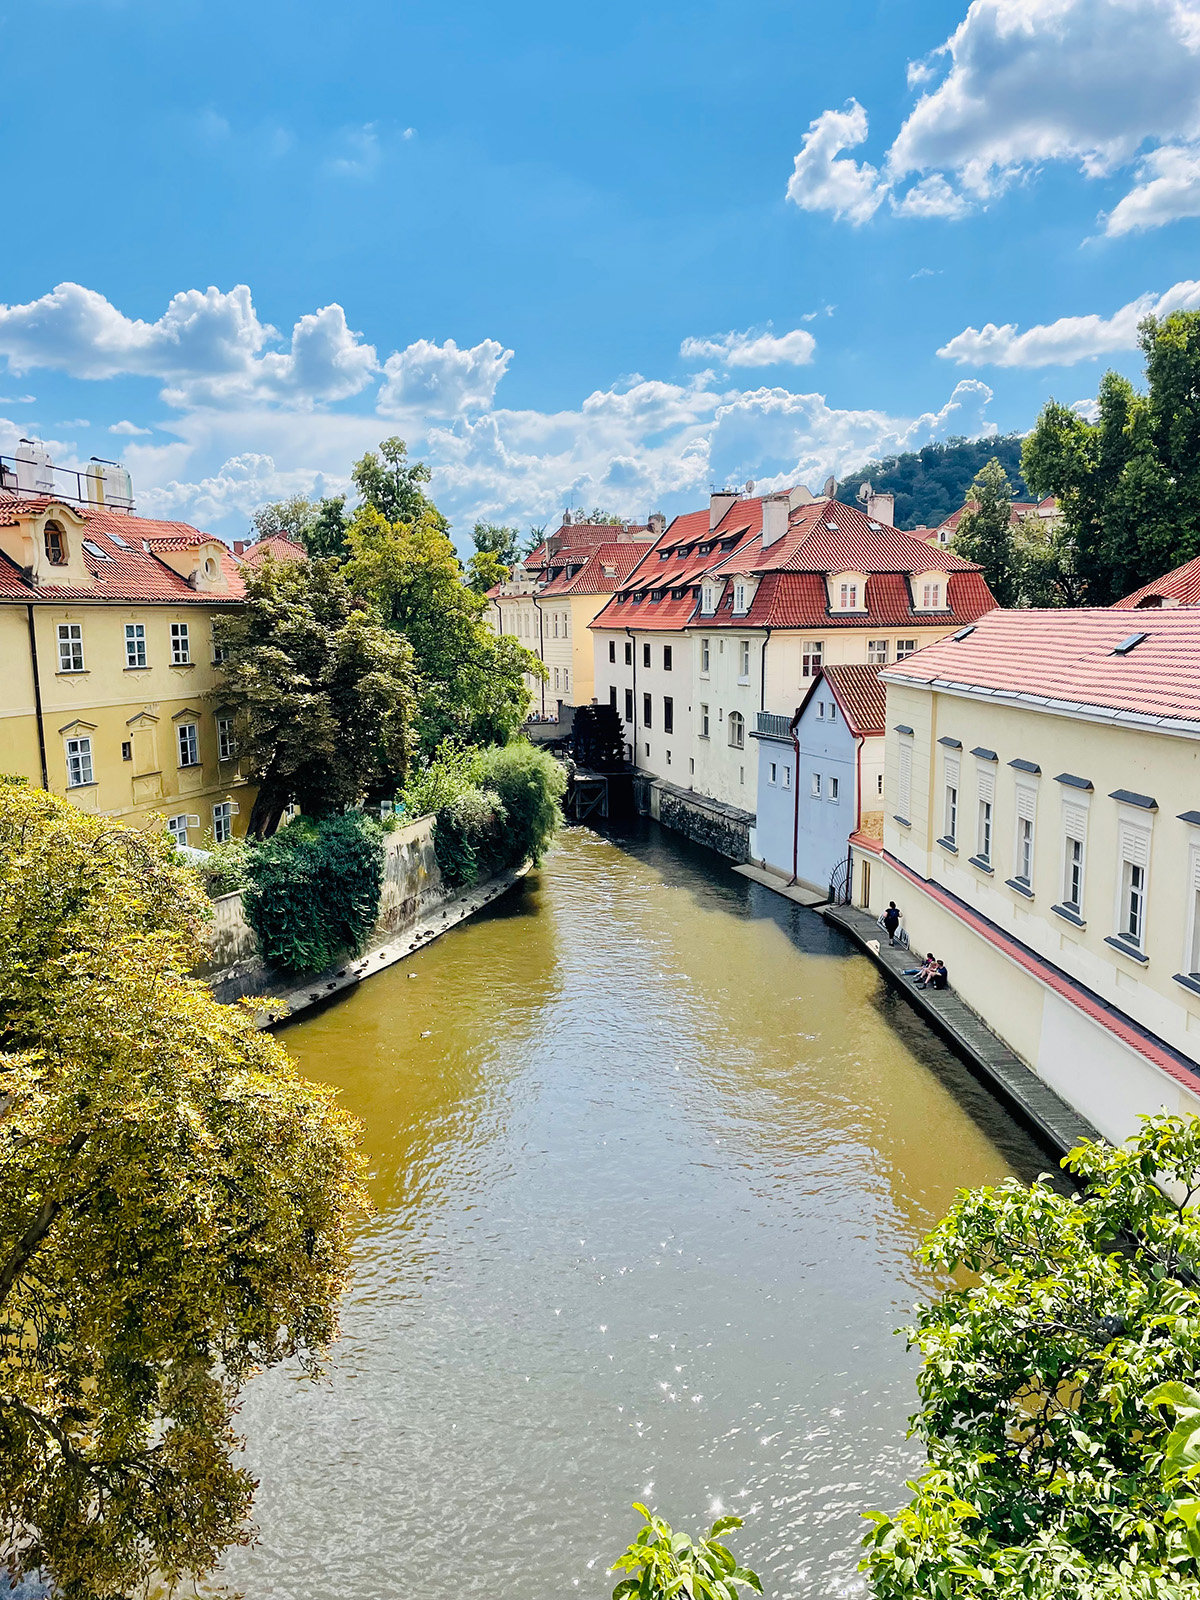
(1126, 645)
(832, 526)
(117, 539)
(963, 632)
(93, 549)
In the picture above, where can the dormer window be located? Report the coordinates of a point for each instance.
(739, 596)
(931, 596)
(929, 591)
(56, 545)
(708, 601)
(848, 596)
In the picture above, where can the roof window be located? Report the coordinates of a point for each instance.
(663, 555)
(117, 539)
(93, 549)
(964, 633)
(1131, 643)
(832, 526)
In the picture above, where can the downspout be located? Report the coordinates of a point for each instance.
(541, 647)
(37, 698)
(762, 690)
(795, 730)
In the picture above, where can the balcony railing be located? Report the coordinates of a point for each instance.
(774, 726)
(29, 480)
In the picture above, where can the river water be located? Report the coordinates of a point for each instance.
(650, 1152)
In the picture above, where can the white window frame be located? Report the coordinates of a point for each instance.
(70, 647)
(744, 660)
(835, 790)
(739, 597)
(906, 648)
(985, 823)
(931, 597)
(80, 773)
(177, 827)
(187, 741)
(774, 777)
(1191, 954)
(848, 596)
(704, 733)
(1026, 813)
(737, 730)
(812, 658)
(181, 645)
(787, 775)
(705, 657)
(877, 652)
(135, 646)
(223, 814)
(952, 783)
(226, 740)
(1075, 821)
(815, 786)
(1133, 858)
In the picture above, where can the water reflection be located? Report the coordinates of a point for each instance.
(650, 1159)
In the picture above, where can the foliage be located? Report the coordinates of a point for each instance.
(530, 783)
(314, 891)
(485, 570)
(984, 535)
(174, 1209)
(227, 869)
(451, 772)
(493, 808)
(932, 482)
(595, 518)
(322, 692)
(1053, 1470)
(468, 837)
(319, 525)
(667, 1563)
(471, 682)
(493, 539)
(532, 539)
(391, 485)
(1129, 482)
(1044, 560)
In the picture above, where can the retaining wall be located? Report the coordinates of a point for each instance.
(722, 828)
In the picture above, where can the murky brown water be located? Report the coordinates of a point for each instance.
(647, 1197)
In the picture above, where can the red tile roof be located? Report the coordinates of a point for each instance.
(125, 569)
(862, 697)
(1182, 586)
(1065, 659)
(278, 546)
(576, 535)
(602, 570)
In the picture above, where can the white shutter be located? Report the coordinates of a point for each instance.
(1196, 870)
(1075, 822)
(904, 799)
(1026, 804)
(1135, 845)
(987, 785)
(952, 770)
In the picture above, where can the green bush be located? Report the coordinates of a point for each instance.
(468, 837)
(453, 772)
(228, 868)
(530, 784)
(314, 891)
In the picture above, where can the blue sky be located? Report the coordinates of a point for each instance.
(578, 256)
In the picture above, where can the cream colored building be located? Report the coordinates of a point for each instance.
(106, 638)
(1042, 836)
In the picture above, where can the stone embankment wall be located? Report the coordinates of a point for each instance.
(412, 884)
(722, 828)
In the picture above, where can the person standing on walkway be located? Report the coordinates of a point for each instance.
(891, 921)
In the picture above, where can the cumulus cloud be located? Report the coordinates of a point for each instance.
(209, 347)
(1070, 339)
(1026, 82)
(130, 429)
(442, 380)
(751, 349)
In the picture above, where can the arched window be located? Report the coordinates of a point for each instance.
(56, 545)
(737, 730)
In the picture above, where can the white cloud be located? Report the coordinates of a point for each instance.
(824, 180)
(1089, 82)
(1068, 340)
(209, 347)
(129, 428)
(751, 349)
(442, 380)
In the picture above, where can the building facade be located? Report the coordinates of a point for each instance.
(1042, 835)
(106, 634)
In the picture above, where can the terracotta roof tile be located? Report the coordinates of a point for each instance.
(278, 546)
(863, 699)
(1182, 586)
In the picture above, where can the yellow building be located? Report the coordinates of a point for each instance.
(106, 641)
(1041, 835)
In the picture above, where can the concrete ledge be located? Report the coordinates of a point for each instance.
(1054, 1124)
(790, 891)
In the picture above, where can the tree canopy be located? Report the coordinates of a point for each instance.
(504, 543)
(322, 692)
(1052, 1375)
(391, 484)
(1129, 482)
(175, 1202)
(932, 482)
(319, 525)
(485, 570)
(984, 534)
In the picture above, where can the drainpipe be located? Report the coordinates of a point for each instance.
(795, 732)
(762, 689)
(37, 698)
(541, 647)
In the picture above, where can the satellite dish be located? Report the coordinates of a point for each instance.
(749, 485)
(830, 488)
(865, 492)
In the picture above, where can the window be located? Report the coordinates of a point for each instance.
(223, 822)
(931, 596)
(189, 744)
(226, 743)
(135, 644)
(70, 647)
(1074, 834)
(986, 784)
(612, 695)
(708, 599)
(566, 680)
(668, 714)
(1193, 954)
(951, 812)
(566, 621)
(787, 776)
(1026, 809)
(743, 658)
(774, 778)
(811, 658)
(219, 653)
(668, 657)
(904, 778)
(177, 827)
(820, 711)
(704, 722)
(879, 783)
(705, 655)
(877, 652)
(848, 597)
(79, 763)
(629, 705)
(554, 614)
(835, 786)
(556, 682)
(181, 649)
(1135, 863)
(646, 703)
(832, 711)
(816, 785)
(905, 648)
(645, 655)
(737, 730)
(739, 597)
(56, 545)
(628, 653)
(612, 649)
(126, 749)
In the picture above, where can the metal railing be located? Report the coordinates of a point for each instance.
(774, 726)
(59, 483)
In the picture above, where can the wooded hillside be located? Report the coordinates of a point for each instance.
(932, 482)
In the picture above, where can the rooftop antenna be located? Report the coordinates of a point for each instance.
(749, 485)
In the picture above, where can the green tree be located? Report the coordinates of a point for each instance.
(319, 525)
(930, 483)
(1045, 563)
(1128, 483)
(485, 570)
(503, 543)
(985, 533)
(175, 1205)
(1052, 1461)
(321, 691)
(391, 484)
(665, 1564)
(471, 682)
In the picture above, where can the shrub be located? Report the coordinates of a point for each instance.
(228, 868)
(314, 891)
(452, 772)
(530, 784)
(468, 837)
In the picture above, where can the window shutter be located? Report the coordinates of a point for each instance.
(952, 772)
(1135, 846)
(987, 786)
(1075, 822)
(904, 798)
(1196, 870)
(1026, 804)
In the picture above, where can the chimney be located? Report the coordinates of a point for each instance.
(241, 544)
(800, 496)
(657, 524)
(775, 513)
(882, 508)
(719, 502)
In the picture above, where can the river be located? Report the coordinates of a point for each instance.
(650, 1151)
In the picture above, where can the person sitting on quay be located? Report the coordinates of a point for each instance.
(922, 974)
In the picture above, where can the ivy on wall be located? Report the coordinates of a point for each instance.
(314, 891)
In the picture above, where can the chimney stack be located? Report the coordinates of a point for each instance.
(882, 508)
(239, 545)
(719, 502)
(775, 513)
(657, 524)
